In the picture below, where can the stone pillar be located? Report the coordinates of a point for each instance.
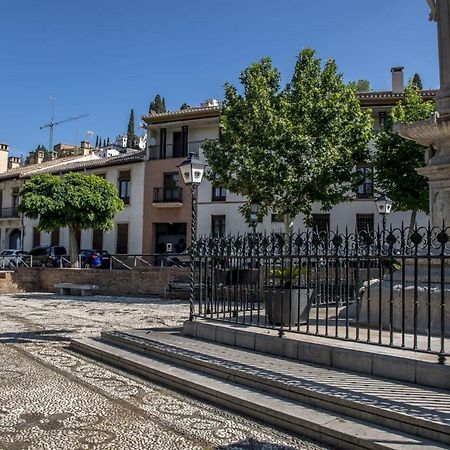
(443, 20)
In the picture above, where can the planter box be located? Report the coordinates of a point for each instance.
(288, 307)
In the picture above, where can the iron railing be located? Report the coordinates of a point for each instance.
(174, 151)
(388, 288)
(110, 262)
(8, 213)
(167, 195)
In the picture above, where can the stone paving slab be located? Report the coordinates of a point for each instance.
(53, 399)
(342, 431)
(407, 400)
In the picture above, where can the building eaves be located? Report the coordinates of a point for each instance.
(97, 163)
(20, 172)
(184, 114)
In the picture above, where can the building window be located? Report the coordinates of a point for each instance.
(218, 226)
(125, 186)
(276, 218)
(36, 237)
(365, 189)
(122, 238)
(15, 198)
(219, 194)
(171, 191)
(177, 144)
(364, 222)
(321, 223)
(54, 238)
(382, 120)
(97, 239)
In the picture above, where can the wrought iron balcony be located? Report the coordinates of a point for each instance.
(174, 151)
(9, 213)
(167, 195)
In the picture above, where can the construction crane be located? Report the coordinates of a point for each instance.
(51, 124)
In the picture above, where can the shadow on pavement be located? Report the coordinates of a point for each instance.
(23, 337)
(49, 296)
(253, 444)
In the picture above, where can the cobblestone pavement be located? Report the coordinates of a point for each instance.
(54, 399)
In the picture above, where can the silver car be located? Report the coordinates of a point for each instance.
(11, 258)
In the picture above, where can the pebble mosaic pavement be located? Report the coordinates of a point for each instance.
(54, 399)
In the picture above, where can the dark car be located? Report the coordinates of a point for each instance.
(49, 256)
(94, 259)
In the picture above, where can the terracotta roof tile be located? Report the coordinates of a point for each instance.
(71, 163)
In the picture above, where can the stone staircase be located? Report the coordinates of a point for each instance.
(348, 410)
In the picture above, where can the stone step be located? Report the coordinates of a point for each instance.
(416, 410)
(325, 426)
(370, 359)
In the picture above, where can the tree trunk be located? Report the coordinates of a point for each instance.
(73, 247)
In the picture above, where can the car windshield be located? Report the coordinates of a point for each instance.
(59, 251)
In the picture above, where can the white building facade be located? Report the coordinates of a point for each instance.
(125, 171)
(218, 210)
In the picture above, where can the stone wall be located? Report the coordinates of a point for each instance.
(135, 283)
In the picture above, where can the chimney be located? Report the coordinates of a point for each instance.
(13, 162)
(36, 157)
(4, 152)
(398, 80)
(85, 148)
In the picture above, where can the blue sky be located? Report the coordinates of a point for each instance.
(104, 57)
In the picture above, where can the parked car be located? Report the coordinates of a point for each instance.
(49, 256)
(12, 258)
(94, 259)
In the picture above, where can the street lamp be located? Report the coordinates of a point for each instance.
(192, 171)
(384, 206)
(254, 213)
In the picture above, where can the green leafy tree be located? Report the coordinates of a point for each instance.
(184, 106)
(361, 85)
(396, 159)
(417, 81)
(77, 201)
(289, 148)
(157, 106)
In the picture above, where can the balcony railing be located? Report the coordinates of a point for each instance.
(174, 151)
(167, 195)
(8, 213)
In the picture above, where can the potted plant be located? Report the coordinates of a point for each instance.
(287, 303)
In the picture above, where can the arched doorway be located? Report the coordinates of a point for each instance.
(14, 239)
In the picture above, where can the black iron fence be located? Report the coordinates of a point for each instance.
(389, 288)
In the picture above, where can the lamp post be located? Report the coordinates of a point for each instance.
(254, 212)
(384, 206)
(192, 171)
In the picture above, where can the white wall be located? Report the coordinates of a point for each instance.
(131, 214)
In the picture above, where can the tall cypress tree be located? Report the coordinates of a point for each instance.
(417, 81)
(158, 105)
(130, 132)
(96, 142)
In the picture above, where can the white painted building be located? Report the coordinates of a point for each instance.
(124, 171)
